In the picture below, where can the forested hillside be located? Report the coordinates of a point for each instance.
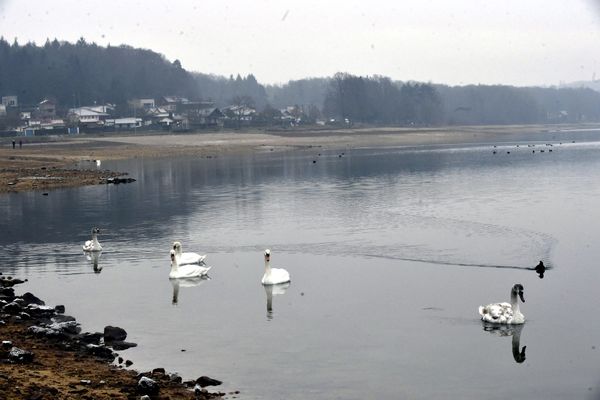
(83, 73)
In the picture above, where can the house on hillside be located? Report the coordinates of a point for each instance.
(10, 101)
(2, 110)
(172, 103)
(206, 117)
(46, 110)
(158, 116)
(125, 123)
(142, 104)
(238, 115)
(88, 116)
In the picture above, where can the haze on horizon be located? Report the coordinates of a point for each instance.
(537, 42)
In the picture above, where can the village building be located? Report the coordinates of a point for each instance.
(10, 101)
(88, 116)
(46, 109)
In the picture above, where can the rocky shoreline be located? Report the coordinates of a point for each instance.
(44, 355)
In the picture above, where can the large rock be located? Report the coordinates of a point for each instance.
(114, 334)
(12, 308)
(17, 355)
(91, 338)
(121, 345)
(100, 351)
(147, 386)
(62, 318)
(204, 381)
(71, 327)
(40, 311)
(30, 298)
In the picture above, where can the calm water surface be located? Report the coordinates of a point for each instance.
(390, 252)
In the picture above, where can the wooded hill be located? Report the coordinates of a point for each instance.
(83, 73)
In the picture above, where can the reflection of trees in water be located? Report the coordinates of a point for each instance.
(509, 330)
(185, 282)
(274, 290)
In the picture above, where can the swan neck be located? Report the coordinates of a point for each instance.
(514, 302)
(175, 263)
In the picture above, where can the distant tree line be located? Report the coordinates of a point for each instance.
(378, 100)
(225, 91)
(83, 73)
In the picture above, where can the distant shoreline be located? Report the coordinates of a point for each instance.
(45, 163)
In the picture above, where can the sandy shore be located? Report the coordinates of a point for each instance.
(45, 163)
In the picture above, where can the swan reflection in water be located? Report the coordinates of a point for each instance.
(185, 282)
(274, 290)
(93, 258)
(509, 330)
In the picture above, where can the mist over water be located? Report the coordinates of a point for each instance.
(390, 254)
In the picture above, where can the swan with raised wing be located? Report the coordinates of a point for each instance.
(93, 245)
(505, 313)
(179, 270)
(187, 258)
(273, 276)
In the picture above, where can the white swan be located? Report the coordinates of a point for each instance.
(185, 271)
(273, 276)
(187, 258)
(93, 245)
(504, 313)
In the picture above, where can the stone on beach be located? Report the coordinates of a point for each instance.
(20, 356)
(147, 386)
(204, 381)
(114, 334)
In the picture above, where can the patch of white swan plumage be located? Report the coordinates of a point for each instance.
(273, 276)
(179, 270)
(187, 258)
(93, 245)
(505, 313)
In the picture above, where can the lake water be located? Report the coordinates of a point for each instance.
(390, 251)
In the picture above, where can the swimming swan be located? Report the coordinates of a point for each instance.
(187, 258)
(185, 271)
(273, 276)
(93, 245)
(504, 313)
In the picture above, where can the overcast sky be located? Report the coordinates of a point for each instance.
(519, 42)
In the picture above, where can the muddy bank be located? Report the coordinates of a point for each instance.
(44, 355)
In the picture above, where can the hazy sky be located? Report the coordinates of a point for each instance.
(520, 42)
